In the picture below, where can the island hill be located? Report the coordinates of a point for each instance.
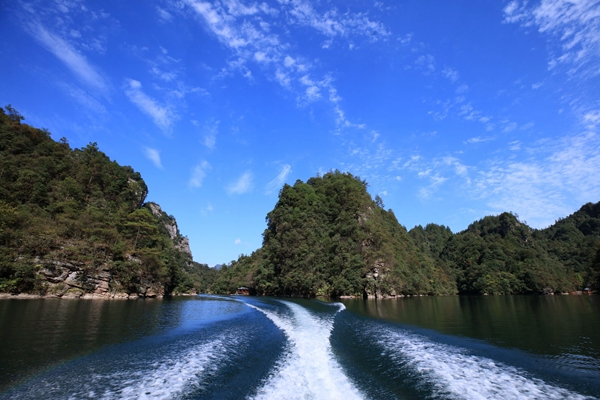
(73, 223)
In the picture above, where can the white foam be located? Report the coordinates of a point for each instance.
(164, 378)
(308, 370)
(454, 373)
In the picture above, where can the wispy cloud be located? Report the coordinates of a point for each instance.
(574, 26)
(162, 116)
(426, 63)
(247, 30)
(207, 210)
(450, 74)
(243, 185)
(69, 56)
(163, 15)
(479, 139)
(154, 156)
(425, 192)
(83, 97)
(279, 180)
(210, 134)
(333, 23)
(545, 188)
(198, 175)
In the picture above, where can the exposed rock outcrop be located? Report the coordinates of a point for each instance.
(181, 243)
(71, 280)
(376, 282)
(139, 192)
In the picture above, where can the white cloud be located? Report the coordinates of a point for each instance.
(163, 14)
(242, 185)
(279, 180)
(167, 76)
(288, 61)
(207, 210)
(479, 139)
(543, 189)
(450, 74)
(312, 93)
(426, 63)
(426, 192)
(75, 61)
(237, 241)
(198, 175)
(154, 156)
(162, 116)
(245, 30)
(83, 98)
(462, 89)
(210, 135)
(332, 24)
(591, 119)
(283, 78)
(510, 126)
(573, 25)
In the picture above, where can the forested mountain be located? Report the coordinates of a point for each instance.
(73, 222)
(500, 255)
(328, 237)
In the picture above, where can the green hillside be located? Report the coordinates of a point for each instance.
(73, 222)
(327, 237)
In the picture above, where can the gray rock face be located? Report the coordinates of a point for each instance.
(139, 193)
(181, 243)
(71, 281)
(376, 287)
(184, 246)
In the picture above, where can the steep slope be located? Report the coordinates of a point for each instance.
(575, 242)
(327, 237)
(73, 222)
(501, 255)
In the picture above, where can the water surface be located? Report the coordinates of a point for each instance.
(218, 347)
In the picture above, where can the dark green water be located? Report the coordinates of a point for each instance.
(211, 347)
(546, 325)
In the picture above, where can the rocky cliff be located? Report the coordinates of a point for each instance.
(74, 223)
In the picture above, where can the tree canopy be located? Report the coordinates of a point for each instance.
(62, 206)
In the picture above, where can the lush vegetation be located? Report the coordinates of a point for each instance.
(328, 237)
(77, 208)
(500, 255)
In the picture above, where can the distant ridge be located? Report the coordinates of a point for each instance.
(328, 237)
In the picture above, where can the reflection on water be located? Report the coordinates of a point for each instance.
(252, 347)
(549, 325)
(36, 334)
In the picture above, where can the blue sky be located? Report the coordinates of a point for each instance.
(451, 110)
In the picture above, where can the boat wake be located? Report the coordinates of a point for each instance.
(450, 372)
(308, 369)
(165, 378)
(166, 372)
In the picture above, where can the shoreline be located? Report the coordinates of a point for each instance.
(87, 296)
(125, 296)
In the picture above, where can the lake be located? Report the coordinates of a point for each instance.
(232, 347)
